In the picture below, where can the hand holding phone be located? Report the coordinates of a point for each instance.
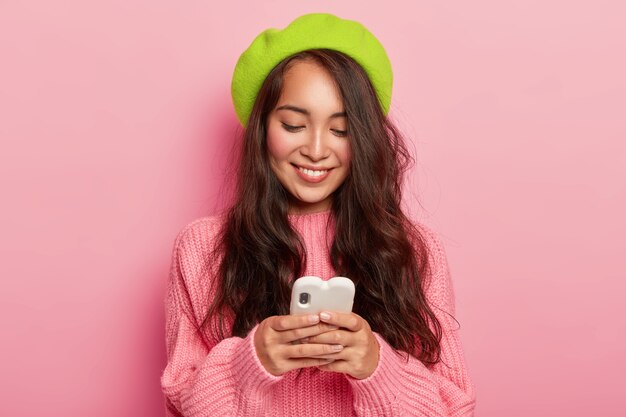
(357, 347)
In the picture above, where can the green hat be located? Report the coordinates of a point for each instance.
(309, 31)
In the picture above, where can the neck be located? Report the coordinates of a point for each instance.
(302, 210)
(298, 207)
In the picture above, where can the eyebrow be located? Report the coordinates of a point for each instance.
(306, 112)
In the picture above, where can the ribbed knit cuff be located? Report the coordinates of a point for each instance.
(250, 374)
(378, 391)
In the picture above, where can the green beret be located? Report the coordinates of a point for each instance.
(309, 31)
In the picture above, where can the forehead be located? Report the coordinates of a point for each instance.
(310, 86)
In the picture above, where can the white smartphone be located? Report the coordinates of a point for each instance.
(311, 295)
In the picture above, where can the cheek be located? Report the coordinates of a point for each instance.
(277, 145)
(345, 155)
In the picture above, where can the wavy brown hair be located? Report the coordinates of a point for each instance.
(375, 244)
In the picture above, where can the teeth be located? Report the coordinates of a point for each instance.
(313, 173)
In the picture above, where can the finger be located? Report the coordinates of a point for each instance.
(308, 350)
(289, 336)
(340, 337)
(350, 321)
(305, 363)
(293, 321)
(344, 354)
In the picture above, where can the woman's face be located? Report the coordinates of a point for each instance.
(309, 151)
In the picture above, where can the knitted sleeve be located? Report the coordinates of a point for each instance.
(398, 388)
(206, 378)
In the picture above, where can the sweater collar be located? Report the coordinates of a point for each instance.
(312, 222)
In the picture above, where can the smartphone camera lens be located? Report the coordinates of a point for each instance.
(304, 298)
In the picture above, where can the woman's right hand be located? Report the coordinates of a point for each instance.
(277, 343)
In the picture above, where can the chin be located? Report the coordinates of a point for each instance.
(311, 200)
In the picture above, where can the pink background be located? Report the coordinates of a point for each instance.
(116, 121)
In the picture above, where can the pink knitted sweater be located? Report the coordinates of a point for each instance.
(209, 377)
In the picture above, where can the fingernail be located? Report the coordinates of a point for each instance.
(314, 318)
(324, 316)
(337, 348)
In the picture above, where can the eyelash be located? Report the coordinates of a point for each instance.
(290, 128)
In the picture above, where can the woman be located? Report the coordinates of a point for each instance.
(318, 193)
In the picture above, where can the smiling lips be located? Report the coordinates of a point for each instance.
(310, 175)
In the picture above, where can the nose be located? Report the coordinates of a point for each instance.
(316, 146)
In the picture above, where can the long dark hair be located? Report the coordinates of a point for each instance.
(258, 254)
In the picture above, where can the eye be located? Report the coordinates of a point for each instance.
(290, 128)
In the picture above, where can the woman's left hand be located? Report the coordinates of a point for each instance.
(359, 356)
